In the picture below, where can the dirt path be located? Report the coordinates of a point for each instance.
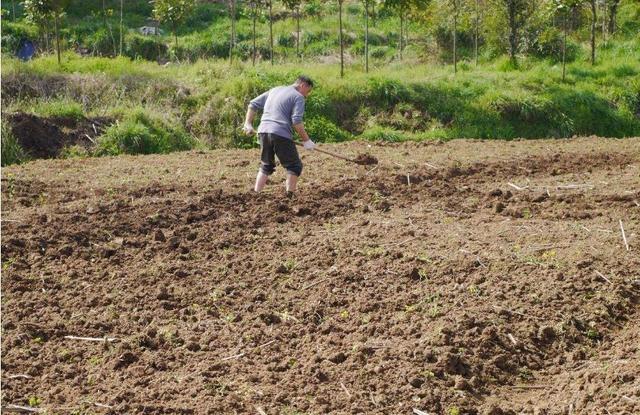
(461, 278)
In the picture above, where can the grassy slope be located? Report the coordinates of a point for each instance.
(395, 101)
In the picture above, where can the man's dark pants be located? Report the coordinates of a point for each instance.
(272, 146)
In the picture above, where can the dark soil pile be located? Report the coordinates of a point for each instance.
(46, 137)
(366, 159)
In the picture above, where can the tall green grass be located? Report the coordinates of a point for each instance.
(11, 151)
(176, 105)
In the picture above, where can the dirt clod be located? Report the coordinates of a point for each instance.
(366, 159)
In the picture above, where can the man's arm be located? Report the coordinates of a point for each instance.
(301, 131)
(256, 104)
(298, 125)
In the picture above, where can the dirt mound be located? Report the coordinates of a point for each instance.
(373, 291)
(46, 137)
(366, 159)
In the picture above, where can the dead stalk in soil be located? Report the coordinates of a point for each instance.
(344, 388)
(20, 376)
(92, 339)
(518, 188)
(603, 277)
(624, 237)
(19, 408)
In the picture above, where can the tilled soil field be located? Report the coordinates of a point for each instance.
(466, 277)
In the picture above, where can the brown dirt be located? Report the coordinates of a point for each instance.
(427, 282)
(46, 137)
(366, 159)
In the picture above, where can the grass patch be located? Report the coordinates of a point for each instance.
(142, 133)
(12, 152)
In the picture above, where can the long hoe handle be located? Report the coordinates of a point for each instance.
(331, 154)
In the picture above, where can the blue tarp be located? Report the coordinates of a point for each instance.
(26, 50)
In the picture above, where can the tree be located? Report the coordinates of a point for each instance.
(517, 13)
(564, 7)
(121, 25)
(613, 14)
(340, 2)
(254, 16)
(476, 33)
(594, 19)
(405, 10)
(400, 7)
(271, 29)
(455, 4)
(294, 6)
(232, 37)
(106, 24)
(366, 36)
(172, 12)
(43, 11)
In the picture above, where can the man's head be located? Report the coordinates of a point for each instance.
(304, 85)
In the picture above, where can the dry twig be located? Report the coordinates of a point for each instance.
(624, 237)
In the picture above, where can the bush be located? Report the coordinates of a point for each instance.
(145, 47)
(11, 151)
(549, 45)
(14, 32)
(141, 133)
(322, 130)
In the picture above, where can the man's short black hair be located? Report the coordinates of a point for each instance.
(305, 79)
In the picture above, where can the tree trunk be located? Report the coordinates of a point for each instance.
(341, 40)
(271, 28)
(401, 31)
(55, 25)
(298, 32)
(604, 20)
(107, 26)
(455, 37)
(594, 18)
(564, 46)
(121, 25)
(373, 13)
(477, 29)
(513, 35)
(255, 13)
(366, 36)
(175, 34)
(13, 4)
(232, 15)
(613, 14)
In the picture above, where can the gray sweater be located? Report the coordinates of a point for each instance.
(282, 107)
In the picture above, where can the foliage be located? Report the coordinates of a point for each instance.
(11, 151)
(142, 133)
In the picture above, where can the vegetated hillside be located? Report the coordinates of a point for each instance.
(409, 92)
(180, 106)
(464, 277)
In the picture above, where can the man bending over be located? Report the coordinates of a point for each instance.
(282, 111)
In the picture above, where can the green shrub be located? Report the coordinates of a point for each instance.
(11, 151)
(549, 45)
(145, 47)
(141, 133)
(322, 130)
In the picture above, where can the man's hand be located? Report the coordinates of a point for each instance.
(248, 129)
(308, 145)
